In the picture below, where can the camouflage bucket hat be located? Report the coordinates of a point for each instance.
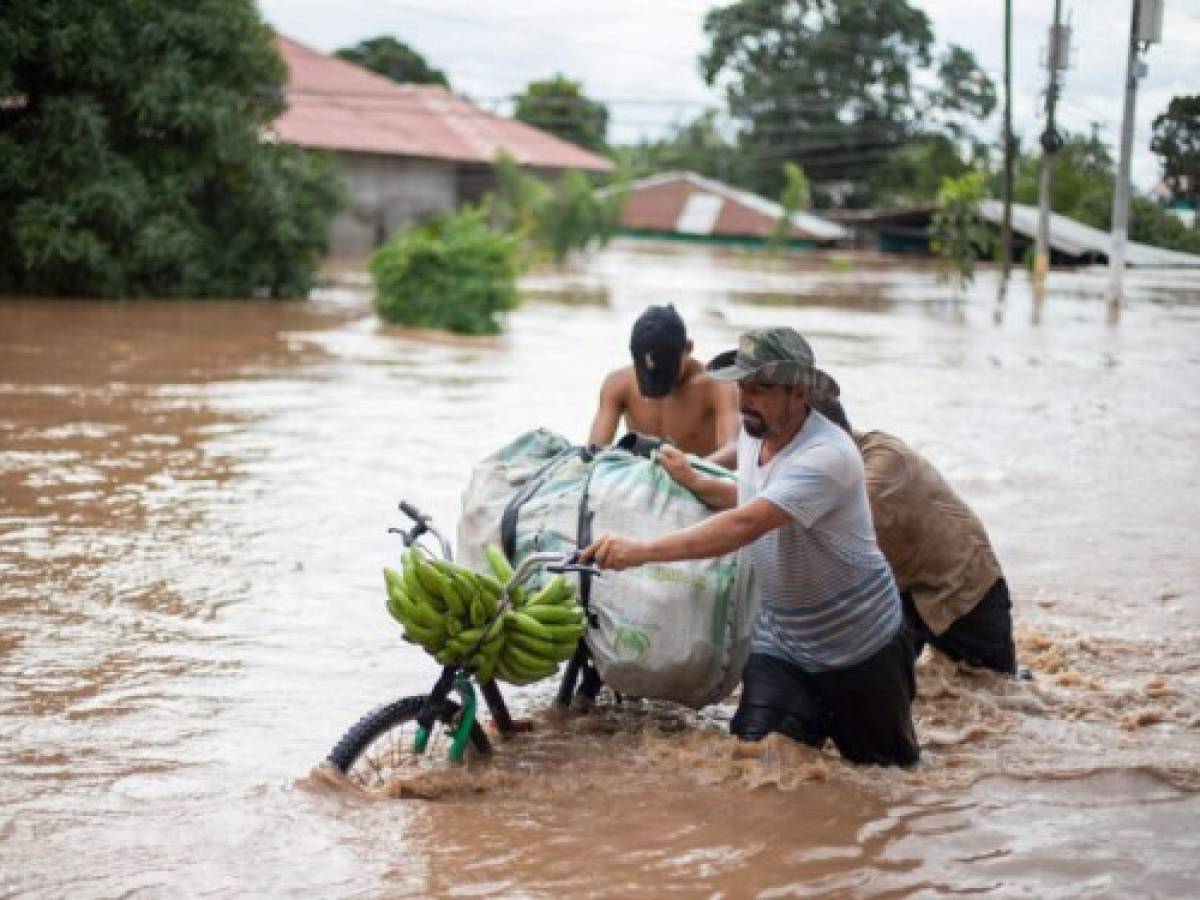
(773, 356)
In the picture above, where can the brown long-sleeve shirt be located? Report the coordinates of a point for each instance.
(937, 547)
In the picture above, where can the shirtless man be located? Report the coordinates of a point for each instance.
(665, 393)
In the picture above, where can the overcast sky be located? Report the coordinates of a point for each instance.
(639, 56)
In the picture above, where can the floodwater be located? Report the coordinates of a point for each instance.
(193, 508)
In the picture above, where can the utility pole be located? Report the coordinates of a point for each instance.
(1145, 28)
(1006, 221)
(1056, 60)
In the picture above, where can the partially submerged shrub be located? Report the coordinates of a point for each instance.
(454, 274)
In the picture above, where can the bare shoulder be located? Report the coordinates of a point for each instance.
(618, 383)
(722, 393)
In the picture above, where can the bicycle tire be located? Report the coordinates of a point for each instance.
(353, 757)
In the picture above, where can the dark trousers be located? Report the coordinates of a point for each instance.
(983, 637)
(866, 709)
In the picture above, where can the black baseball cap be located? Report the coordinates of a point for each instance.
(657, 344)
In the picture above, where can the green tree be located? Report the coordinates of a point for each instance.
(1081, 187)
(133, 163)
(958, 233)
(796, 195)
(833, 84)
(915, 172)
(558, 105)
(573, 217)
(513, 206)
(393, 59)
(696, 146)
(453, 274)
(1177, 140)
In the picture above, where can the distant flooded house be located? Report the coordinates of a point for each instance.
(406, 152)
(1072, 243)
(686, 206)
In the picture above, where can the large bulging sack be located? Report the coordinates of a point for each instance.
(673, 631)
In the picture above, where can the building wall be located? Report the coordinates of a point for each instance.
(386, 194)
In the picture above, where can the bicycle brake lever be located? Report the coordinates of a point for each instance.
(572, 564)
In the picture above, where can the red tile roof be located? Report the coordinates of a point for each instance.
(335, 105)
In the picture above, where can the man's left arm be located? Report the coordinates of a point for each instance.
(720, 534)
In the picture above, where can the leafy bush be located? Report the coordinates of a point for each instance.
(568, 215)
(958, 232)
(454, 274)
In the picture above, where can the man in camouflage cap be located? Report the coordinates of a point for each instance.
(773, 356)
(829, 659)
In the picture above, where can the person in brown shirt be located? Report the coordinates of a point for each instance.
(665, 393)
(952, 587)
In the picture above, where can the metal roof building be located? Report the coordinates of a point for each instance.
(1083, 243)
(687, 206)
(406, 152)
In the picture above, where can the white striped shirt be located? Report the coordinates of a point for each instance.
(828, 597)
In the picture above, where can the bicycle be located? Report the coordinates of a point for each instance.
(380, 744)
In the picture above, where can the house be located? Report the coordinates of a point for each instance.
(406, 152)
(686, 206)
(906, 231)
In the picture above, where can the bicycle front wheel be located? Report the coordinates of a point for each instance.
(378, 748)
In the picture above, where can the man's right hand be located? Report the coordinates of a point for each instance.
(676, 463)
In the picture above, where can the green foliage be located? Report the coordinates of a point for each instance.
(568, 215)
(958, 233)
(572, 216)
(454, 274)
(1149, 223)
(696, 147)
(914, 173)
(513, 206)
(796, 195)
(1177, 140)
(393, 59)
(835, 85)
(1082, 180)
(133, 164)
(559, 106)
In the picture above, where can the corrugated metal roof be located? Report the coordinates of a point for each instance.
(335, 105)
(1076, 239)
(665, 202)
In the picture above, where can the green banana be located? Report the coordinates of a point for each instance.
(393, 580)
(562, 633)
(479, 615)
(554, 615)
(557, 650)
(501, 567)
(415, 590)
(531, 644)
(426, 616)
(433, 581)
(488, 583)
(530, 662)
(527, 673)
(520, 621)
(556, 591)
(486, 669)
(429, 638)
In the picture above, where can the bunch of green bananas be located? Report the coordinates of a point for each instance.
(464, 617)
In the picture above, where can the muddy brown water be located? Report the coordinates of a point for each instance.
(193, 504)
